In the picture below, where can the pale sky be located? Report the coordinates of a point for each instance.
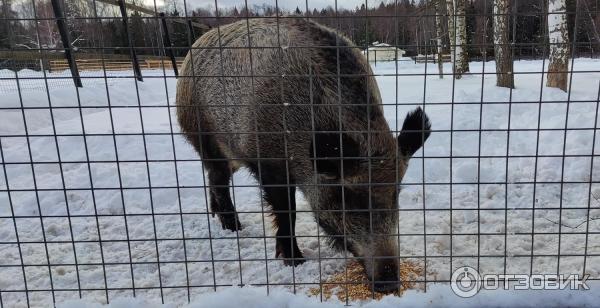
(284, 4)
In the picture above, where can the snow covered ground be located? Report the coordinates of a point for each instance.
(160, 174)
(438, 295)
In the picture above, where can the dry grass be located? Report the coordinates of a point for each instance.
(355, 286)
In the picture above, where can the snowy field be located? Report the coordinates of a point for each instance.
(94, 229)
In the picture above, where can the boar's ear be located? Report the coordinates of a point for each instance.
(415, 131)
(327, 153)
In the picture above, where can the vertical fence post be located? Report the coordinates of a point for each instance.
(134, 60)
(192, 37)
(64, 36)
(167, 45)
(375, 56)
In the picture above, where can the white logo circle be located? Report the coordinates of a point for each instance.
(465, 281)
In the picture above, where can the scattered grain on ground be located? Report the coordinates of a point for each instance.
(354, 285)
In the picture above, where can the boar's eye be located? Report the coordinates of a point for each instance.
(377, 162)
(328, 153)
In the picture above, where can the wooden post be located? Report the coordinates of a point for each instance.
(375, 56)
(167, 43)
(136, 66)
(64, 36)
(192, 35)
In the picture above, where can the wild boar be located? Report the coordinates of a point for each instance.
(297, 104)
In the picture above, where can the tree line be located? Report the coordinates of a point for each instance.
(467, 29)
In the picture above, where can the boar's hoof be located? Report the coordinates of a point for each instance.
(230, 222)
(293, 262)
(386, 287)
(289, 259)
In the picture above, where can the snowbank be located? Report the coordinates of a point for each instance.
(437, 296)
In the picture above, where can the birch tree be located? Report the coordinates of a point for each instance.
(559, 45)
(439, 33)
(457, 32)
(462, 58)
(451, 28)
(502, 52)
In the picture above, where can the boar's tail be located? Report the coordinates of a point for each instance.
(415, 131)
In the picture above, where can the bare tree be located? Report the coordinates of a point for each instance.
(559, 45)
(462, 58)
(6, 40)
(439, 33)
(502, 52)
(593, 28)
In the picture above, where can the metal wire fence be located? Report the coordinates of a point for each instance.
(108, 191)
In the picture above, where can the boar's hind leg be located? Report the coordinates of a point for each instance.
(219, 175)
(283, 201)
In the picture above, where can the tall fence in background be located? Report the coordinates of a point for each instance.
(101, 197)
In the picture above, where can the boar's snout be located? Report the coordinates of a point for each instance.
(387, 276)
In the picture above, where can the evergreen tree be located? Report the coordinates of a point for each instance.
(179, 34)
(137, 27)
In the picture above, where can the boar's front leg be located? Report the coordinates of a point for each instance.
(282, 198)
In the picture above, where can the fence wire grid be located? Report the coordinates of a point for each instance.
(102, 196)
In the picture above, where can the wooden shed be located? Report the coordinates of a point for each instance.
(383, 52)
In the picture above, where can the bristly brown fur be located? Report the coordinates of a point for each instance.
(275, 95)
